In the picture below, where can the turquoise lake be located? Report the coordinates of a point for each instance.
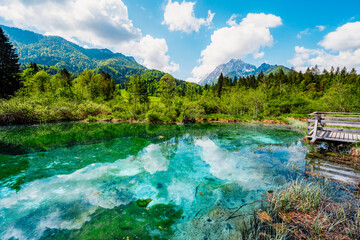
(139, 181)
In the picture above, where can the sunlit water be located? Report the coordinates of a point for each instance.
(91, 181)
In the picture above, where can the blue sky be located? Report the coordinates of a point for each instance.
(176, 36)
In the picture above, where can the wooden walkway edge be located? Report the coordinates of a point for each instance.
(334, 127)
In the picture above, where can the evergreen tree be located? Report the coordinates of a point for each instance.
(167, 86)
(220, 84)
(235, 82)
(9, 67)
(34, 66)
(66, 76)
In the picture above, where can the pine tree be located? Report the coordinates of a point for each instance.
(220, 84)
(66, 76)
(34, 66)
(235, 82)
(9, 67)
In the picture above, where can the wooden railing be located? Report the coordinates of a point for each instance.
(334, 126)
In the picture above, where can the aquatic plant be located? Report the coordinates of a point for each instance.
(125, 222)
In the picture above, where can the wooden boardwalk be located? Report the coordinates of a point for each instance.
(334, 127)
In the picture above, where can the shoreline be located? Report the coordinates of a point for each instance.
(265, 121)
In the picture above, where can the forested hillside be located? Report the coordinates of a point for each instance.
(60, 53)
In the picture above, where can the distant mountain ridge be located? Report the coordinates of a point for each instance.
(238, 68)
(58, 52)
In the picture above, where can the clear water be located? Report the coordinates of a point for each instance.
(95, 181)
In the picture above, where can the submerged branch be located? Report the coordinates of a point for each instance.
(238, 209)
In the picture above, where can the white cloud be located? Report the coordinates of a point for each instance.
(346, 37)
(232, 22)
(341, 48)
(304, 32)
(181, 17)
(99, 23)
(236, 41)
(321, 28)
(153, 51)
(258, 55)
(309, 31)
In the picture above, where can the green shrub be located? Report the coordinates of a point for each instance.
(191, 111)
(153, 116)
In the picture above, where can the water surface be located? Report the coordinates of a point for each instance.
(113, 181)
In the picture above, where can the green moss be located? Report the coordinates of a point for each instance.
(143, 202)
(130, 221)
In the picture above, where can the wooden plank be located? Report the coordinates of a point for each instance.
(342, 135)
(342, 130)
(338, 135)
(327, 134)
(333, 135)
(339, 122)
(340, 118)
(336, 113)
(337, 140)
(351, 137)
(343, 124)
(322, 133)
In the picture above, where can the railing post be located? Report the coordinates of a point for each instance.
(314, 136)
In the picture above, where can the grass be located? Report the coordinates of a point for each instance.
(311, 211)
(300, 197)
(305, 210)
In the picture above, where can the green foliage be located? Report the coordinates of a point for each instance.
(137, 90)
(9, 67)
(153, 116)
(191, 111)
(143, 202)
(23, 110)
(166, 89)
(54, 94)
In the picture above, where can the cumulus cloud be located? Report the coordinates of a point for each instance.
(236, 41)
(181, 17)
(346, 37)
(341, 48)
(153, 52)
(99, 23)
